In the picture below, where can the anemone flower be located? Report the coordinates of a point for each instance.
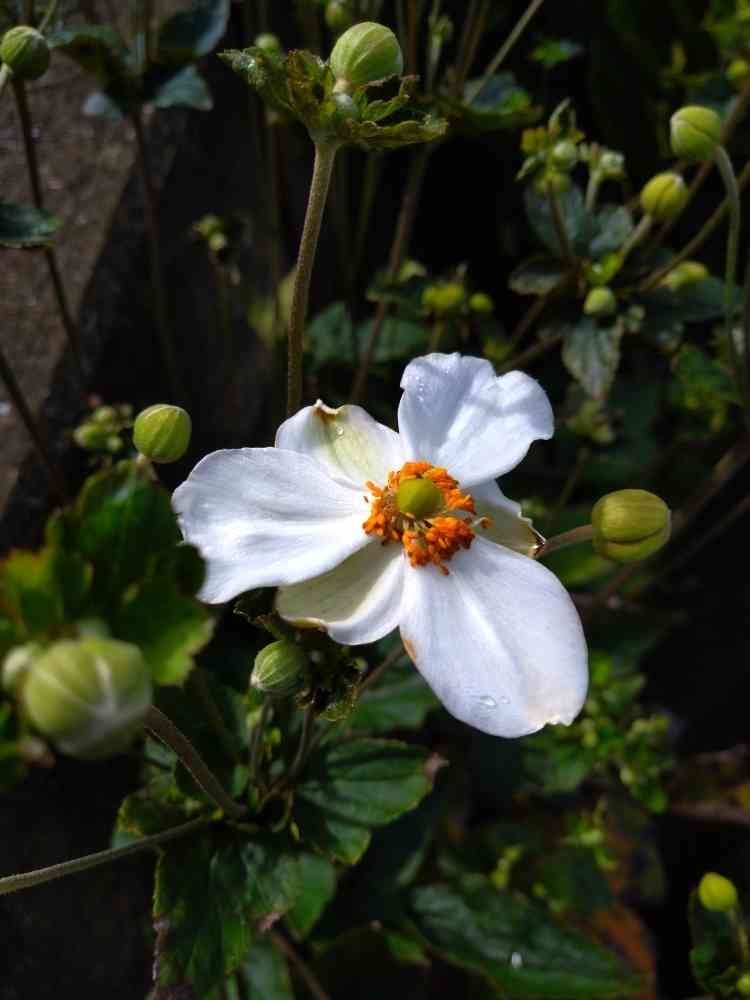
(364, 530)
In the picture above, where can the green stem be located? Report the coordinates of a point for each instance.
(256, 741)
(308, 726)
(4, 77)
(639, 234)
(531, 353)
(592, 190)
(573, 537)
(510, 41)
(167, 732)
(219, 726)
(304, 970)
(733, 241)
(436, 336)
(47, 19)
(13, 883)
(562, 234)
(325, 156)
(32, 164)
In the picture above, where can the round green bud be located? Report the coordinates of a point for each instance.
(611, 165)
(419, 497)
(269, 43)
(737, 71)
(564, 154)
(600, 302)
(17, 664)
(552, 182)
(88, 696)
(695, 132)
(664, 196)
(162, 432)
(717, 893)
(481, 304)
(92, 437)
(689, 272)
(743, 985)
(105, 415)
(25, 52)
(364, 54)
(443, 298)
(279, 668)
(630, 525)
(339, 16)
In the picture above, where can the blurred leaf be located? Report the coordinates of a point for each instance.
(12, 765)
(23, 227)
(518, 947)
(192, 33)
(329, 336)
(426, 128)
(209, 890)
(694, 303)
(539, 214)
(100, 52)
(101, 105)
(591, 353)
(713, 957)
(42, 591)
(554, 51)
(501, 104)
(317, 888)
(400, 699)
(536, 276)
(265, 974)
(612, 226)
(399, 338)
(349, 788)
(184, 89)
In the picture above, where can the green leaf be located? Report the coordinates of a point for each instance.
(554, 51)
(192, 33)
(399, 338)
(168, 626)
(400, 699)
(539, 214)
(426, 128)
(184, 89)
(42, 591)
(695, 303)
(329, 336)
(23, 227)
(317, 878)
(100, 52)
(591, 353)
(209, 892)
(713, 958)
(350, 788)
(612, 226)
(516, 946)
(265, 974)
(500, 104)
(536, 276)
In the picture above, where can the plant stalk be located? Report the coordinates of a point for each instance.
(325, 156)
(573, 537)
(14, 883)
(733, 242)
(504, 50)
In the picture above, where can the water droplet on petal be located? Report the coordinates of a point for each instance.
(339, 432)
(488, 701)
(505, 700)
(516, 959)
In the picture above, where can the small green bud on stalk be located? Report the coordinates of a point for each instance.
(689, 272)
(611, 165)
(630, 525)
(443, 298)
(162, 432)
(664, 196)
(269, 43)
(695, 132)
(105, 415)
(600, 302)
(339, 16)
(717, 893)
(564, 154)
(17, 664)
(737, 71)
(279, 669)
(96, 437)
(25, 52)
(481, 304)
(90, 697)
(366, 53)
(743, 985)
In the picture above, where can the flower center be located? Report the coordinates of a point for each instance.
(422, 507)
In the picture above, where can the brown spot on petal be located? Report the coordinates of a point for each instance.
(410, 650)
(326, 413)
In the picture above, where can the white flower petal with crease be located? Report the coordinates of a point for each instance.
(357, 601)
(455, 412)
(498, 640)
(347, 441)
(262, 517)
(507, 526)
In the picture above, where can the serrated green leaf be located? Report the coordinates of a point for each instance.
(23, 227)
(192, 33)
(591, 353)
(399, 700)
(516, 946)
(184, 89)
(352, 787)
(572, 213)
(612, 226)
(317, 886)
(41, 591)
(406, 133)
(536, 276)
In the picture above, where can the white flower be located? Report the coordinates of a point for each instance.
(365, 530)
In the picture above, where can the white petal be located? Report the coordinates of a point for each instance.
(455, 412)
(262, 517)
(347, 441)
(507, 525)
(498, 640)
(357, 601)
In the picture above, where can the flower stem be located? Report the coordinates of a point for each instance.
(13, 883)
(506, 47)
(733, 241)
(308, 726)
(566, 250)
(531, 353)
(639, 234)
(32, 165)
(325, 156)
(167, 732)
(573, 537)
(304, 970)
(4, 77)
(256, 742)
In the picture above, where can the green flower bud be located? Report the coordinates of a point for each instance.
(481, 304)
(689, 272)
(105, 415)
(630, 525)
(600, 302)
(611, 165)
(269, 43)
(443, 298)
(92, 437)
(364, 54)
(162, 432)
(339, 16)
(564, 154)
(743, 985)
(737, 71)
(17, 664)
(25, 52)
(552, 181)
(717, 893)
(89, 696)
(279, 668)
(664, 196)
(695, 132)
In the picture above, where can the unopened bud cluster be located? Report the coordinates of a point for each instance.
(103, 429)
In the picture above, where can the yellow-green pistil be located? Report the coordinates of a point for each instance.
(419, 498)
